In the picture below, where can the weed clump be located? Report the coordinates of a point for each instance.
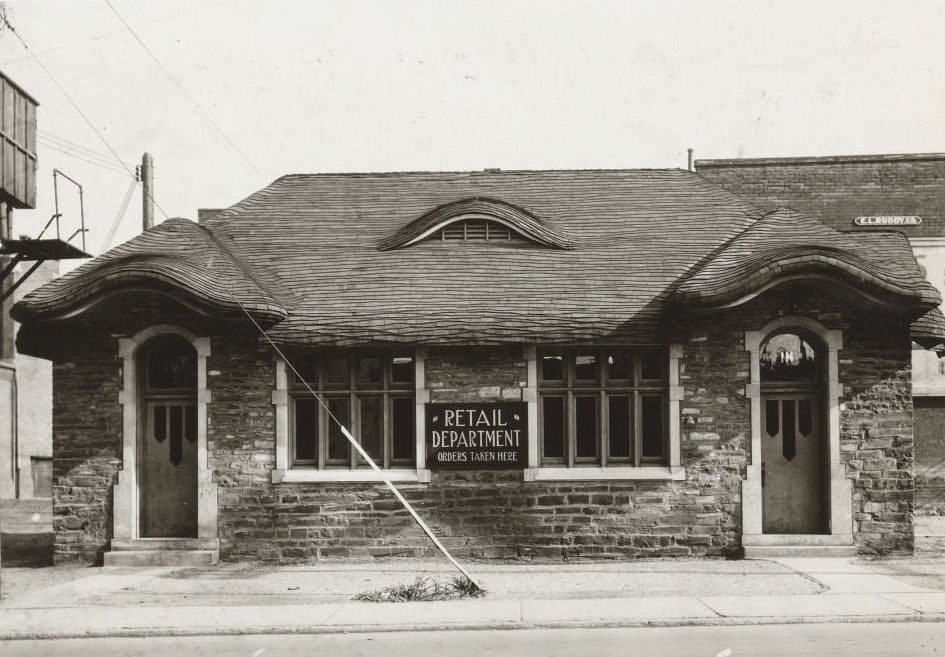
(425, 589)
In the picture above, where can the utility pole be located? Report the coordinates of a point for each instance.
(147, 189)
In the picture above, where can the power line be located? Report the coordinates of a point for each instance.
(183, 92)
(107, 242)
(77, 155)
(75, 105)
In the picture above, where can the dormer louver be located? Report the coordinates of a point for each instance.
(477, 219)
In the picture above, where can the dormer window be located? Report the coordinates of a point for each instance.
(481, 220)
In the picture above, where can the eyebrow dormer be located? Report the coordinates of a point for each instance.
(477, 219)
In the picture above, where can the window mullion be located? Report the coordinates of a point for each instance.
(637, 428)
(604, 424)
(387, 433)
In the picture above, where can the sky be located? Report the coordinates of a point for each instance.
(229, 95)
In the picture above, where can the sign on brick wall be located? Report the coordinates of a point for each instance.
(477, 436)
(888, 220)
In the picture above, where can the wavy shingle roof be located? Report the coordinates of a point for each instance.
(177, 256)
(785, 244)
(308, 252)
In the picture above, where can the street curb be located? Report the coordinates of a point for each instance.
(434, 627)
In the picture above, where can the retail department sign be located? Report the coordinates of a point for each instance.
(486, 436)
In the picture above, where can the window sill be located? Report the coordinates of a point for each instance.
(302, 476)
(674, 473)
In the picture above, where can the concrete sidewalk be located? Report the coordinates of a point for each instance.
(239, 599)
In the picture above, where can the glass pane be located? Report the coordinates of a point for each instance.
(372, 409)
(805, 417)
(585, 368)
(190, 422)
(403, 418)
(772, 417)
(619, 366)
(307, 367)
(619, 414)
(788, 357)
(552, 367)
(586, 416)
(336, 372)
(338, 447)
(652, 426)
(402, 369)
(653, 365)
(788, 437)
(370, 374)
(172, 363)
(306, 430)
(160, 423)
(553, 427)
(176, 426)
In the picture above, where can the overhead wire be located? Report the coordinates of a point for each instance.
(107, 242)
(183, 92)
(72, 102)
(361, 451)
(80, 156)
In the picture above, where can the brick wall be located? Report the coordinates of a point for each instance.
(839, 189)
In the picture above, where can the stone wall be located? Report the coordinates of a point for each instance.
(492, 513)
(87, 448)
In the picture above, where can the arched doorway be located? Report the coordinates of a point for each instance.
(793, 434)
(167, 439)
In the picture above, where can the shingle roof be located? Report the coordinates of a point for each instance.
(307, 248)
(177, 255)
(785, 243)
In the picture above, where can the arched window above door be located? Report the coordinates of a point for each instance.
(170, 364)
(791, 358)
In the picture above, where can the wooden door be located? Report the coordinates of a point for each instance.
(168, 474)
(793, 459)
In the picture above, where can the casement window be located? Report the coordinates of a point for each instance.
(603, 407)
(372, 393)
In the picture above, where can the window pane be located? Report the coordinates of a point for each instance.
(553, 426)
(619, 414)
(338, 447)
(788, 435)
(586, 420)
(805, 417)
(653, 365)
(772, 417)
(619, 366)
(403, 412)
(176, 422)
(788, 357)
(160, 423)
(585, 368)
(371, 428)
(370, 374)
(652, 426)
(307, 367)
(402, 369)
(552, 367)
(190, 422)
(306, 429)
(172, 363)
(336, 372)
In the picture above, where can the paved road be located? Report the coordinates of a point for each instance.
(833, 640)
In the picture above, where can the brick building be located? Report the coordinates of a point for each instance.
(869, 193)
(552, 363)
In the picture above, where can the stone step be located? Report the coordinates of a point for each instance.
(777, 551)
(161, 558)
(137, 544)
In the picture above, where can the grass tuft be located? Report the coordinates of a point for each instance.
(423, 589)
